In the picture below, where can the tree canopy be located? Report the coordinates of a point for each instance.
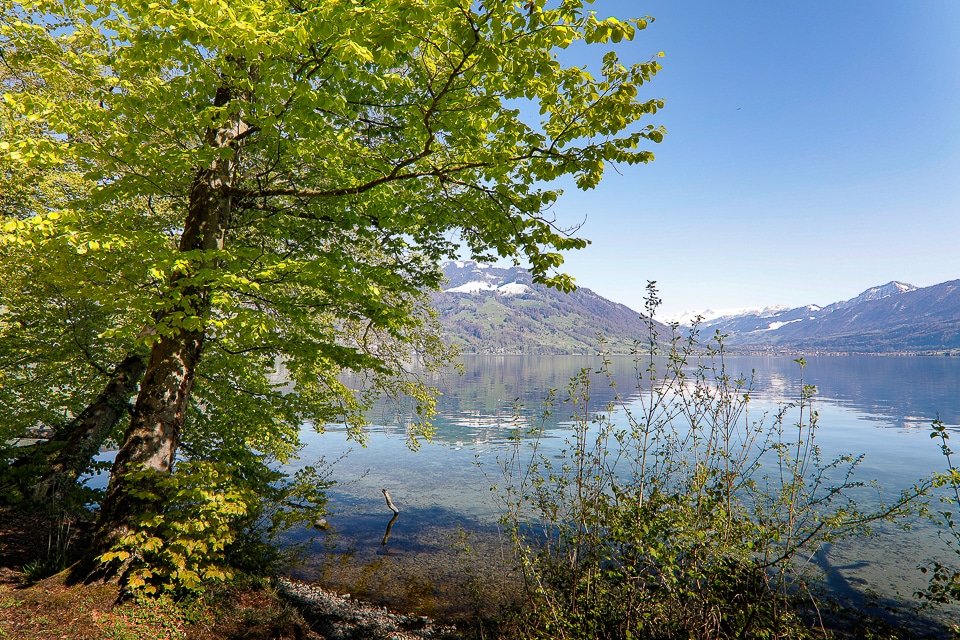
(248, 188)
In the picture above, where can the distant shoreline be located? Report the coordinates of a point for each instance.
(733, 351)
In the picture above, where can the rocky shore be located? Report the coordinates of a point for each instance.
(340, 617)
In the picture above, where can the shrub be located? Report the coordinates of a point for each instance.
(677, 514)
(207, 519)
(944, 586)
(183, 543)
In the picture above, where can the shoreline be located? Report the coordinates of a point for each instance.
(342, 617)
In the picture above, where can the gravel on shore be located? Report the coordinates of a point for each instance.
(340, 617)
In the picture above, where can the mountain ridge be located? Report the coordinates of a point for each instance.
(893, 317)
(488, 309)
(500, 310)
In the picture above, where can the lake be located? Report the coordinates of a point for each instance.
(445, 547)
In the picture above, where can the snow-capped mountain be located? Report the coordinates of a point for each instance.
(474, 277)
(892, 317)
(709, 315)
(894, 288)
(767, 319)
(487, 309)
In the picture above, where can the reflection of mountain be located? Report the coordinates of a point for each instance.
(487, 309)
(908, 391)
(498, 394)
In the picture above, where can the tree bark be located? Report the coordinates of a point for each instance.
(44, 473)
(153, 436)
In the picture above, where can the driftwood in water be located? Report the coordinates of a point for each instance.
(390, 505)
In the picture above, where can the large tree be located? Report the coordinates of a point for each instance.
(59, 374)
(276, 180)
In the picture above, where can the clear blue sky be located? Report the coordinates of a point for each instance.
(812, 151)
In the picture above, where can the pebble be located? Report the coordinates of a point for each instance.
(340, 617)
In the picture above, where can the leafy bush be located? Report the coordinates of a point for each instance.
(183, 543)
(678, 513)
(207, 519)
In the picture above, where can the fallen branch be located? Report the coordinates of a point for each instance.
(393, 507)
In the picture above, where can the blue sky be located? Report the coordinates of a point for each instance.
(813, 151)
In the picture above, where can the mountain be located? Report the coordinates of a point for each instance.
(894, 317)
(878, 293)
(486, 309)
(687, 317)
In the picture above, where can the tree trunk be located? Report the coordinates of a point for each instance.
(153, 436)
(46, 470)
(151, 440)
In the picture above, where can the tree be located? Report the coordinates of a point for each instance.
(58, 374)
(277, 181)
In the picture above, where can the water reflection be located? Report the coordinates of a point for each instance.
(498, 394)
(880, 406)
(389, 529)
(899, 391)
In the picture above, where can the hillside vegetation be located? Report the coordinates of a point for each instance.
(486, 309)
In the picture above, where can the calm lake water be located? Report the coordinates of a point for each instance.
(445, 546)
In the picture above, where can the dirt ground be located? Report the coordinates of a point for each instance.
(48, 609)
